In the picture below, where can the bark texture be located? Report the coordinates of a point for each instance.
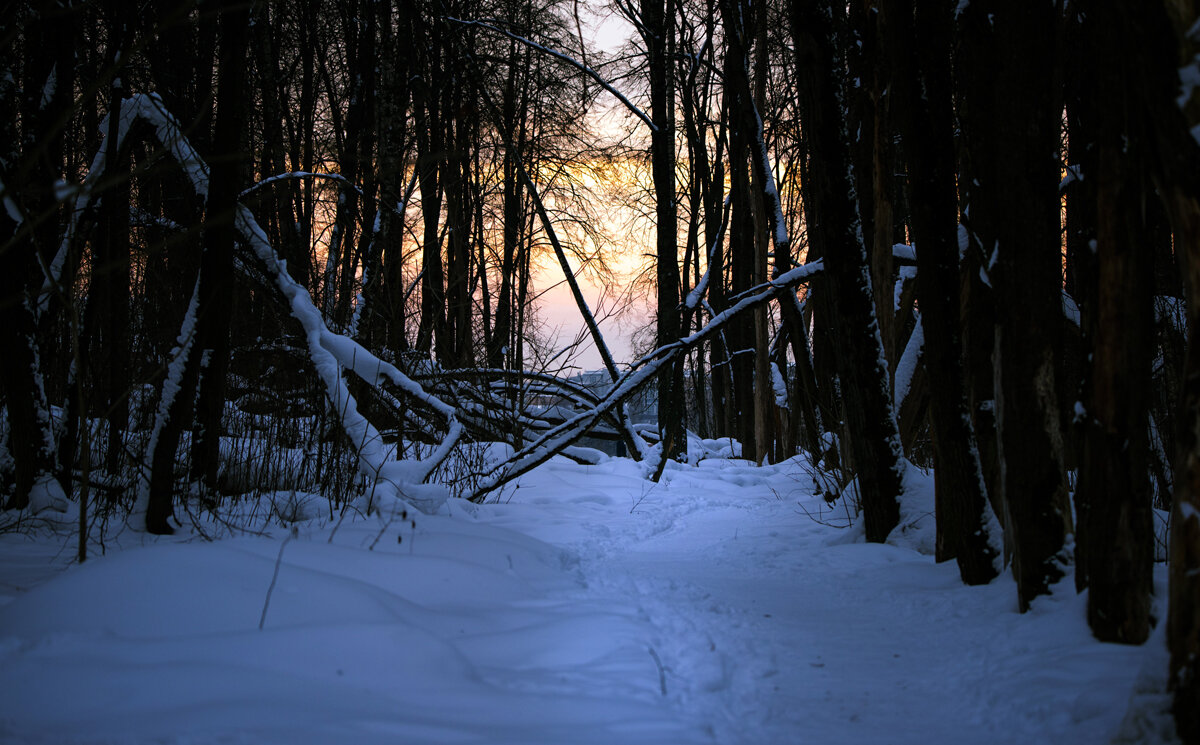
(830, 209)
(929, 126)
(1028, 280)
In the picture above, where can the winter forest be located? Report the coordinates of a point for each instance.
(907, 449)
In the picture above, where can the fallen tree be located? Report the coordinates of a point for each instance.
(639, 374)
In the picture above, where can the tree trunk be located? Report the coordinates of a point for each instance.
(30, 163)
(829, 209)
(1115, 538)
(1183, 618)
(111, 279)
(429, 130)
(514, 110)
(1028, 282)
(227, 168)
(928, 121)
(741, 270)
(206, 358)
(1162, 40)
(975, 72)
(883, 66)
(753, 229)
(458, 231)
(658, 35)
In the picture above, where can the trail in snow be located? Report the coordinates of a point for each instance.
(777, 629)
(587, 606)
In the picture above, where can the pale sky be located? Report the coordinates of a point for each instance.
(608, 31)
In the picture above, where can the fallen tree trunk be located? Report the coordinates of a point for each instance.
(639, 374)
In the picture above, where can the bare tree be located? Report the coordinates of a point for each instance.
(833, 229)
(205, 358)
(928, 119)
(1027, 277)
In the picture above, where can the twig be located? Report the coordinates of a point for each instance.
(570, 61)
(278, 561)
(662, 673)
(387, 524)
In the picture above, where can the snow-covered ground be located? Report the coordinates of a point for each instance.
(586, 606)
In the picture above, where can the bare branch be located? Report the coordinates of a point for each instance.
(570, 61)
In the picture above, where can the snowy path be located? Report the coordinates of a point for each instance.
(776, 629)
(588, 606)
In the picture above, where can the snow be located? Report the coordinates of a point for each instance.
(907, 367)
(917, 529)
(331, 353)
(170, 389)
(904, 251)
(1071, 310)
(47, 494)
(11, 208)
(1189, 78)
(779, 387)
(587, 605)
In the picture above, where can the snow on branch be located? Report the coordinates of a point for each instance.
(793, 276)
(170, 391)
(339, 178)
(143, 107)
(769, 189)
(697, 292)
(487, 387)
(905, 252)
(331, 353)
(907, 367)
(569, 60)
(642, 371)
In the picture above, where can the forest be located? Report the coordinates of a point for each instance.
(257, 249)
